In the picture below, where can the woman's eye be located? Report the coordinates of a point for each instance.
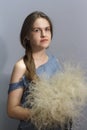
(47, 29)
(36, 30)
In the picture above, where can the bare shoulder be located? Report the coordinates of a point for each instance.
(18, 71)
(20, 64)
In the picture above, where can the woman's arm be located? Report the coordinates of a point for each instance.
(14, 108)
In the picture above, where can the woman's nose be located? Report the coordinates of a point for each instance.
(43, 33)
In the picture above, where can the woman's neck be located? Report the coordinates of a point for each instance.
(40, 58)
(41, 54)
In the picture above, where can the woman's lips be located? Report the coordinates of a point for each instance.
(43, 40)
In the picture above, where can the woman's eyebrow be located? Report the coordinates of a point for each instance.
(41, 27)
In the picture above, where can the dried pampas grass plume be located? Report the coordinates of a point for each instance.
(59, 99)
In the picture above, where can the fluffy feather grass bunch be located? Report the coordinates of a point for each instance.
(62, 97)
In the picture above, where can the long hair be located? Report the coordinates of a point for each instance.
(25, 31)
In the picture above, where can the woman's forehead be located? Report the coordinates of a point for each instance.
(41, 23)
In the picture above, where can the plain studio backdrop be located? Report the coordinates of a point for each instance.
(69, 42)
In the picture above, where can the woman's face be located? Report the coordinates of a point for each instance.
(40, 35)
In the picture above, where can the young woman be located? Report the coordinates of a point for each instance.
(35, 36)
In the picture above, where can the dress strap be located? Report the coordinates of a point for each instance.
(23, 83)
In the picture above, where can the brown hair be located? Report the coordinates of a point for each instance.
(26, 29)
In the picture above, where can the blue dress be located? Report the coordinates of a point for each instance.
(49, 69)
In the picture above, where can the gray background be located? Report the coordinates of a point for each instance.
(69, 43)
